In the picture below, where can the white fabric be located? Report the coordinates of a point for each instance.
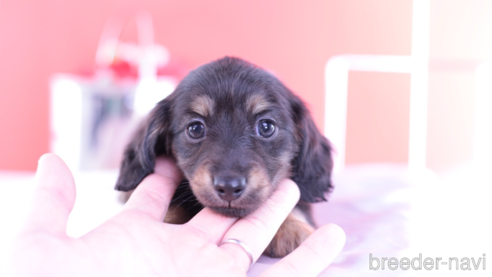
(385, 211)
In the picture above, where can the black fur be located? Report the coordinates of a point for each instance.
(230, 146)
(313, 164)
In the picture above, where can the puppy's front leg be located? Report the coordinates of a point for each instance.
(295, 229)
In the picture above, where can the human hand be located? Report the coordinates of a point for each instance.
(137, 243)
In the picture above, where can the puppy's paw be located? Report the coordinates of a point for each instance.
(290, 235)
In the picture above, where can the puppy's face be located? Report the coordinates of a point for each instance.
(235, 132)
(234, 139)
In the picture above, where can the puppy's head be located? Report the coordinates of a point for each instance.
(235, 131)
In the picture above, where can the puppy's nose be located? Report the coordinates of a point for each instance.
(229, 188)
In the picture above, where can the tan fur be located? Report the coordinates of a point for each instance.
(258, 181)
(291, 234)
(203, 105)
(257, 103)
(124, 196)
(284, 171)
(176, 215)
(201, 178)
(201, 183)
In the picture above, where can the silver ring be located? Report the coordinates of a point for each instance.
(243, 246)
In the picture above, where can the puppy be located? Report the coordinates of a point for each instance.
(235, 131)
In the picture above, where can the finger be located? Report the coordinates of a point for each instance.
(54, 196)
(313, 255)
(154, 193)
(213, 224)
(258, 228)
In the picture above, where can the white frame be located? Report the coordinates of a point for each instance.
(336, 84)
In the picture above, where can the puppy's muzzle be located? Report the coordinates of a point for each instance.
(229, 188)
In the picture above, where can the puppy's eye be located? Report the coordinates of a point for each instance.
(265, 128)
(196, 130)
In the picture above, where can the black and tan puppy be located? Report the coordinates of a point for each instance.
(235, 131)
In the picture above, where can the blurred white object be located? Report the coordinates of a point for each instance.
(482, 137)
(93, 117)
(336, 79)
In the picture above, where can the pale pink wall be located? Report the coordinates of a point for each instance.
(378, 103)
(378, 116)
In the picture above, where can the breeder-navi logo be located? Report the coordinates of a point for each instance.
(428, 263)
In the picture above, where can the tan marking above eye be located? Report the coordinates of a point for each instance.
(257, 103)
(203, 105)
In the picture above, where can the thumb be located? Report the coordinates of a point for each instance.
(54, 196)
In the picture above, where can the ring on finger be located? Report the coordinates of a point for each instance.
(243, 246)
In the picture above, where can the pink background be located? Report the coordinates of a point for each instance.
(292, 38)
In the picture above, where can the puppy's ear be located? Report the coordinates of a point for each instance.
(152, 139)
(313, 164)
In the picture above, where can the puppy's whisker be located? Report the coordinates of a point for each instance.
(196, 204)
(180, 197)
(185, 194)
(190, 197)
(305, 180)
